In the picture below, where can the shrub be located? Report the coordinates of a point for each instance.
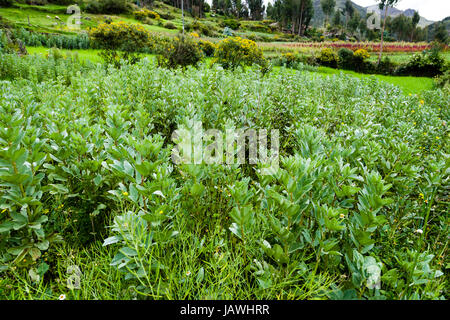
(386, 66)
(258, 28)
(231, 23)
(360, 61)
(200, 28)
(207, 47)
(169, 25)
(425, 64)
(328, 58)
(167, 16)
(235, 51)
(107, 6)
(144, 14)
(346, 58)
(180, 52)
(121, 41)
(9, 43)
(443, 81)
(289, 59)
(361, 55)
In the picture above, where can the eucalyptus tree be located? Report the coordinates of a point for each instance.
(327, 8)
(349, 10)
(384, 5)
(415, 22)
(256, 8)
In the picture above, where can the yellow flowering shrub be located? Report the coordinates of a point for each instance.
(361, 54)
(120, 40)
(207, 47)
(143, 14)
(180, 52)
(328, 57)
(236, 51)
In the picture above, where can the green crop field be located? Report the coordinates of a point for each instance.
(126, 174)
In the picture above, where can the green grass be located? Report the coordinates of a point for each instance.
(409, 85)
(403, 57)
(83, 54)
(89, 54)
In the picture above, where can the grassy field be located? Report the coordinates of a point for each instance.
(409, 85)
(89, 54)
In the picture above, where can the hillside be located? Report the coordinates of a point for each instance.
(319, 16)
(432, 27)
(394, 12)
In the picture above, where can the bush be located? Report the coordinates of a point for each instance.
(288, 60)
(328, 58)
(167, 16)
(258, 28)
(180, 52)
(169, 25)
(386, 66)
(294, 61)
(443, 81)
(9, 43)
(200, 28)
(144, 14)
(360, 61)
(425, 64)
(235, 51)
(346, 58)
(207, 47)
(107, 6)
(231, 23)
(121, 41)
(361, 55)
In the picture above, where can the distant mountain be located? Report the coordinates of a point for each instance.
(394, 12)
(432, 28)
(319, 16)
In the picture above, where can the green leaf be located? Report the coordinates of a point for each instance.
(200, 275)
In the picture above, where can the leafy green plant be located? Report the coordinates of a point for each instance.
(425, 64)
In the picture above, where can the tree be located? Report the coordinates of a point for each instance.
(384, 4)
(256, 8)
(354, 22)
(337, 18)
(415, 22)
(441, 34)
(327, 8)
(296, 14)
(349, 10)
